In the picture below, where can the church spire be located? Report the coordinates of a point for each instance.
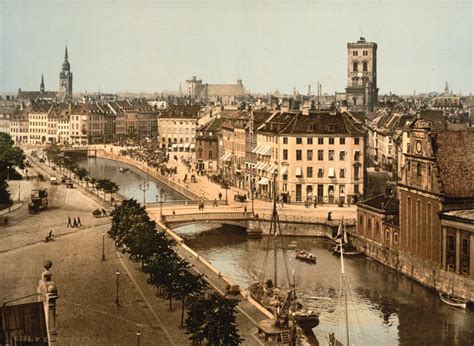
(65, 54)
(42, 84)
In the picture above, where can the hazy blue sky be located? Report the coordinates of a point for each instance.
(154, 45)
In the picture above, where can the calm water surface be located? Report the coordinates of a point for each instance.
(385, 308)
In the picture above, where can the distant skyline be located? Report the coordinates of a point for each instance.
(152, 46)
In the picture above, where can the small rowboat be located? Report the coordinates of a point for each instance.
(348, 250)
(123, 170)
(452, 301)
(305, 257)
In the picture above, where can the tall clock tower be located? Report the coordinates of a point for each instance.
(65, 78)
(362, 91)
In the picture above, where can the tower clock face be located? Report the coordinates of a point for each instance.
(418, 147)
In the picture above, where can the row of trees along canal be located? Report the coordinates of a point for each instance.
(53, 153)
(210, 316)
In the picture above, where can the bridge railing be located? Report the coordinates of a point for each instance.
(208, 216)
(184, 202)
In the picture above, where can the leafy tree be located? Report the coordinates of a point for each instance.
(4, 193)
(81, 173)
(53, 152)
(212, 318)
(184, 284)
(10, 156)
(124, 217)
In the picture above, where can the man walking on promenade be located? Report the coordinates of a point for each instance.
(74, 223)
(69, 224)
(79, 222)
(220, 196)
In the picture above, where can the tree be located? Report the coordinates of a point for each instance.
(4, 193)
(10, 156)
(52, 153)
(184, 284)
(109, 186)
(212, 318)
(81, 173)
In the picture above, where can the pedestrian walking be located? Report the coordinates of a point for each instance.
(220, 196)
(79, 221)
(74, 223)
(245, 209)
(215, 202)
(69, 224)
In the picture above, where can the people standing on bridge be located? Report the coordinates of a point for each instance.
(79, 222)
(215, 202)
(69, 224)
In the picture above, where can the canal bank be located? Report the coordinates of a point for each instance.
(424, 272)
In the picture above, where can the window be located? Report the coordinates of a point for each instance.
(285, 140)
(361, 220)
(418, 169)
(309, 172)
(355, 53)
(298, 155)
(320, 155)
(210, 154)
(320, 173)
(331, 155)
(320, 141)
(354, 66)
(309, 140)
(342, 155)
(369, 224)
(356, 188)
(356, 155)
(342, 173)
(364, 66)
(395, 238)
(285, 154)
(356, 141)
(331, 140)
(342, 140)
(387, 234)
(299, 140)
(309, 155)
(356, 173)
(285, 176)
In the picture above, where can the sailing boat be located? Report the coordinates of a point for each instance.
(449, 299)
(332, 341)
(349, 249)
(282, 303)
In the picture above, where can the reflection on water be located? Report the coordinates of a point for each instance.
(128, 181)
(383, 305)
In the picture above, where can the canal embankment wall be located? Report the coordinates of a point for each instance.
(150, 171)
(422, 271)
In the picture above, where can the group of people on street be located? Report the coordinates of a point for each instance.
(74, 223)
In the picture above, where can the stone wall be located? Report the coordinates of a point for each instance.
(425, 272)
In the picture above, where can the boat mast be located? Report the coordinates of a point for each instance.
(343, 276)
(274, 222)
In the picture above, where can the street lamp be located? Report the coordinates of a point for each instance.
(117, 275)
(139, 334)
(226, 187)
(103, 247)
(162, 196)
(144, 187)
(252, 187)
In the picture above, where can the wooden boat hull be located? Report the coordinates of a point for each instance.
(307, 322)
(306, 259)
(452, 301)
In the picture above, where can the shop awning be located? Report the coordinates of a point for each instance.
(266, 150)
(226, 157)
(257, 148)
(299, 171)
(180, 146)
(284, 170)
(271, 169)
(193, 146)
(331, 173)
(174, 146)
(263, 181)
(186, 145)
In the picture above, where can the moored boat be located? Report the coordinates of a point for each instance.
(123, 170)
(348, 249)
(452, 301)
(305, 257)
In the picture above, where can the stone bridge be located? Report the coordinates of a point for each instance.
(90, 152)
(256, 226)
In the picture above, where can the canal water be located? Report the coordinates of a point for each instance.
(384, 307)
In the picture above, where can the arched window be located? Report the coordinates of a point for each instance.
(354, 66)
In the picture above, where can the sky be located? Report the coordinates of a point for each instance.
(151, 46)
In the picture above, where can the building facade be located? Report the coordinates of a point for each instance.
(176, 127)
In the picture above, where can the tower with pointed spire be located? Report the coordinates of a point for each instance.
(65, 78)
(42, 84)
